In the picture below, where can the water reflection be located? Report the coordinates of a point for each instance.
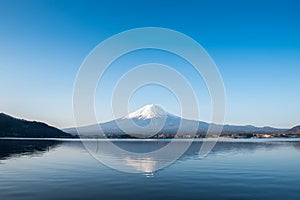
(250, 170)
(10, 148)
(138, 160)
(146, 165)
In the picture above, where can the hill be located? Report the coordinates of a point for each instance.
(13, 127)
(293, 131)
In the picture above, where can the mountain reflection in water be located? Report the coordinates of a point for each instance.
(64, 169)
(138, 158)
(10, 148)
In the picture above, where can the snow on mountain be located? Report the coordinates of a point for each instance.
(147, 112)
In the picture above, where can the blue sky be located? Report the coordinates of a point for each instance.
(255, 44)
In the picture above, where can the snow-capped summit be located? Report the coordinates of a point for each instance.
(147, 112)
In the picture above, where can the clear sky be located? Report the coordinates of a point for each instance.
(255, 44)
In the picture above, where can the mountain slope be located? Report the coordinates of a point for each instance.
(13, 127)
(146, 120)
(295, 130)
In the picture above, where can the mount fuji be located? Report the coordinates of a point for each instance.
(152, 119)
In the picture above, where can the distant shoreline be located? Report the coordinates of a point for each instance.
(160, 140)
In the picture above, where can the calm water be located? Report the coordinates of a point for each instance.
(235, 169)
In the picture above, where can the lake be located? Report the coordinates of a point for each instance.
(234, 169)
